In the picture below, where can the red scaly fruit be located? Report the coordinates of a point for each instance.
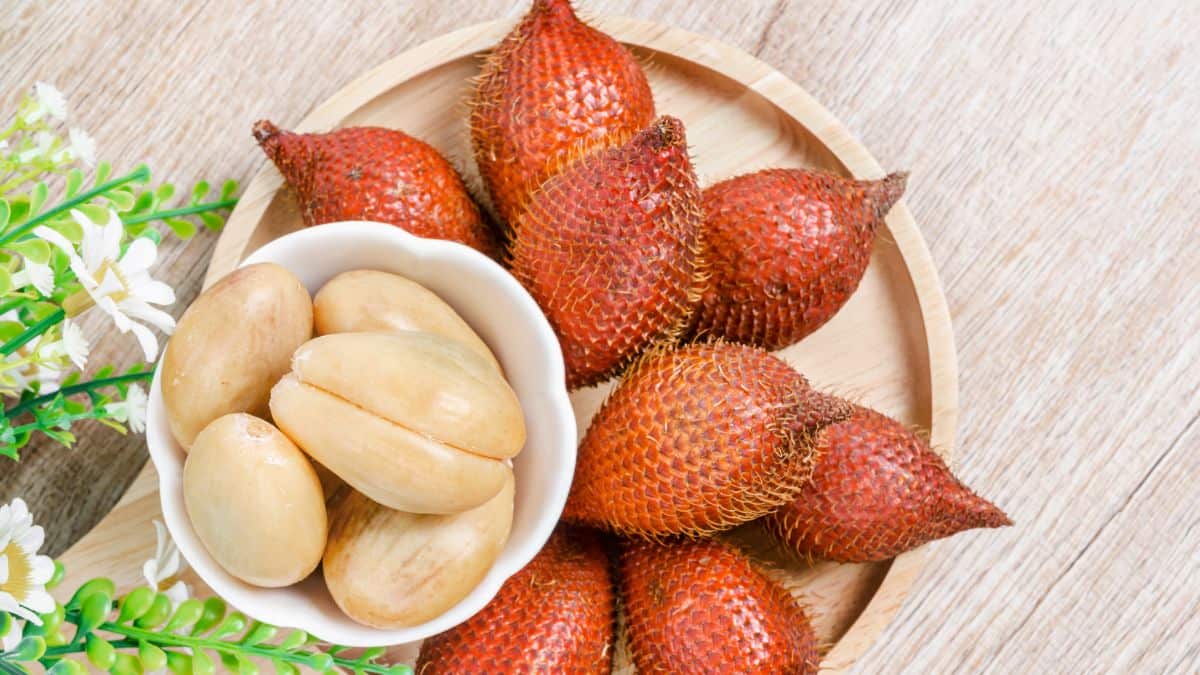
(785, 249)
(370, 173)
(609, 248)
(878, 491)
(554, 616)
(700, 607)
(553, 86)
(698, 440)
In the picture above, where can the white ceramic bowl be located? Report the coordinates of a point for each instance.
(508, 319)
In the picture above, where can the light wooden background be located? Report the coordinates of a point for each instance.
(1055, 152)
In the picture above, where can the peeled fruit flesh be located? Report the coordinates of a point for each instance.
(415, 421)
(390, 464)
(367, 301)
(232, 345)
(423, 382)
(255, 501)
(390, 569)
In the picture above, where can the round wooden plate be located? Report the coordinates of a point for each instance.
(891, 347)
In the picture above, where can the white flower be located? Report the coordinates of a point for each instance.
(164, 568)
(119, 285)
(82, 147)
(132, 410)
(47, 101)
(23, 573)
(40, 276)
(75, 344)
(12, 638)
(43, 368)
(43, 141)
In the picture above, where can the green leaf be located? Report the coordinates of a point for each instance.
(159, 610)
(99, 585)
(67, 667)
(5, 281)
(184, 229)
(229, 661)
(151, 656)
(228, 189)
(103, 171)
(100, 652)
(18, 209)
(37, 250)
(74, 182)
(321, 661)
(188, 613)
(234, 623)
(211, 220)
(179, 663)
(37, 197)
(143, 172)
(285, 668)
(121, 199)
(126, 664)
(164, 192)
(259, 632)
(51, 621)
(153, 235)
(5, 213)
(94, 610)
(246, 666)
(294, 640)
(371, 654)
(28, 649)
(145, 202)
(202, 664)
(137, 603)
(214, 611)
(199, 190)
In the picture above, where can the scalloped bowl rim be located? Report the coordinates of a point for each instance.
(541, 389)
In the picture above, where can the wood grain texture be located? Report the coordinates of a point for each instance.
(1053, 152)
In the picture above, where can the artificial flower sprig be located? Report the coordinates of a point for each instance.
(91, 248)
(155, 627)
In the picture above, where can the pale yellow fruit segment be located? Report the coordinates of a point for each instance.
(394, 466)
(369, 301)
(423, 382)
(231, 346)
(390, 569)
(255, 501)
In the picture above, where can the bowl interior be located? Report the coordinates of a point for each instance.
(504, 315)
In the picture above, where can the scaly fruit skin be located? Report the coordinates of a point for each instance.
(878, 491)
(786, 248)
(699, 440)
(370, 173)
(553, 86)
(701, 607)
(609, 249)
(554, 616)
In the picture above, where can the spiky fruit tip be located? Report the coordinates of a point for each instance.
(878, 490)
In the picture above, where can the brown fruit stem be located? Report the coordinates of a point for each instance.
(265, 130)
(882, 194)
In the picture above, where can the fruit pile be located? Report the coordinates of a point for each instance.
(678, 291)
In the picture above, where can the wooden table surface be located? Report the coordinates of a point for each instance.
(1053, 149)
